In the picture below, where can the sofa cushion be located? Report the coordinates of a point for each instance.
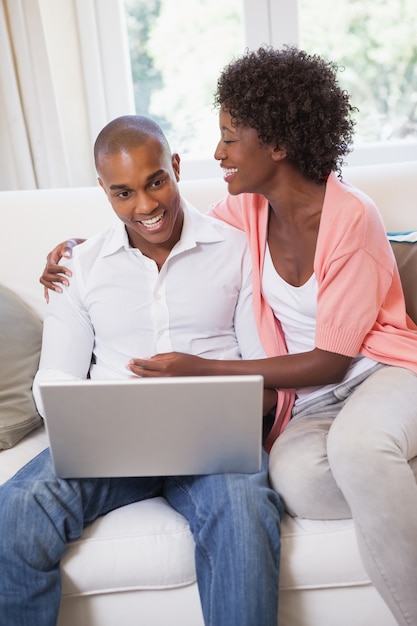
(144, 545)
(20, 344)
(404, 246)
(12, 459)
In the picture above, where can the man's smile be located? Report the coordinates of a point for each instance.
(152, 223)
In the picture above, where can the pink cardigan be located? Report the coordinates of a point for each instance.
(360, 307)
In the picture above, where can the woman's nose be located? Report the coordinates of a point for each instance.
(219, 153)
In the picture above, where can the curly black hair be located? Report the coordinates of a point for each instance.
(293, 100)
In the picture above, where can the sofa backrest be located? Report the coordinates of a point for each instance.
(393, 187)
(33, 222)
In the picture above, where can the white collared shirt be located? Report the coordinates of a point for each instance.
(119, 306)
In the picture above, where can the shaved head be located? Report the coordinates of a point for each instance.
(127, 132)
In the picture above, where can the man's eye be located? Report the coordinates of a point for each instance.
(123, 194)
(158, 183)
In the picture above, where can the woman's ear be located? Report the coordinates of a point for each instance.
(278, 153)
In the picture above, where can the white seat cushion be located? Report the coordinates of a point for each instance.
(320, 553)
(12, 459)
(145, 545)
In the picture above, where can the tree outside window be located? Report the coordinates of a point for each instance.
(178, 49)
(376, 43)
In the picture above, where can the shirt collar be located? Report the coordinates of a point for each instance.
(197, 228)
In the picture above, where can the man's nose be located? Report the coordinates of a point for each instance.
(145, 204)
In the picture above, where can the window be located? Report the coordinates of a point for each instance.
(376, 43)
(178, 49)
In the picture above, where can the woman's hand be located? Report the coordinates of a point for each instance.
(54, 274)
(180, 364)
(172, 364)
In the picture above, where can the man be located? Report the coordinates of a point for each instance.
(157, 280)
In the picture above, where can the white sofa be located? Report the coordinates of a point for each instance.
(136, 564)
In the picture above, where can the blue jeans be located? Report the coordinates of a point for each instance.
(234, 518)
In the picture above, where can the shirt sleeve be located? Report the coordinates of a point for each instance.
(354, 268)
(67, 342)
(359, 285)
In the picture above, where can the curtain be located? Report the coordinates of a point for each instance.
(64, 73)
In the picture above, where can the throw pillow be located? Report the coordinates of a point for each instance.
(20, 345)
(404, 246)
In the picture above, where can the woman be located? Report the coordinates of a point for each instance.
(330, 309)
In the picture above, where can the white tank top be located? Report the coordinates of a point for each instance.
(296, 309)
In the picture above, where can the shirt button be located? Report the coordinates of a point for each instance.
(161, 332)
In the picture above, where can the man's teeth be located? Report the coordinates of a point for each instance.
(152, 221)
(228, 171)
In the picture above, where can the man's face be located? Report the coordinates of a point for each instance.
(141, 185)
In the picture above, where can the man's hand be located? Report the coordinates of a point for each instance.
(54, 274)
(171, 364)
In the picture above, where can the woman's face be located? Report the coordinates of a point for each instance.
(248, 165)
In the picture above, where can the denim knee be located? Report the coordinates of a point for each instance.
(27, 531)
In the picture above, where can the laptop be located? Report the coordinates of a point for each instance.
(154, 427)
